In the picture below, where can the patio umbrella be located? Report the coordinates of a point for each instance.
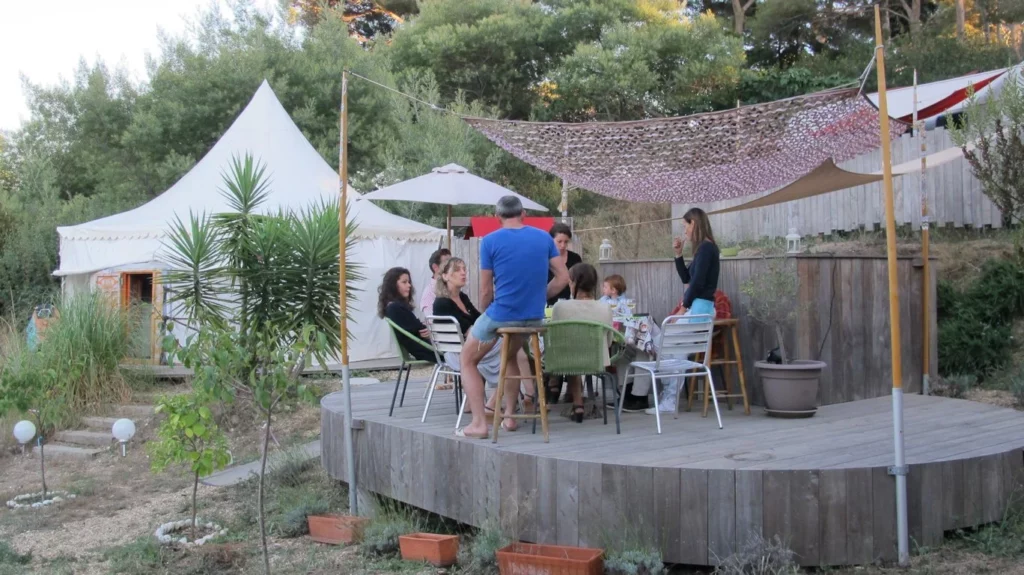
(450, 185)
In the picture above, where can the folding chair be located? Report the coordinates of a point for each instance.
(445, 336)
(681, 337)
(408, 362)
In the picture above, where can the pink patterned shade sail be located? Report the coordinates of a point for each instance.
(699, 158)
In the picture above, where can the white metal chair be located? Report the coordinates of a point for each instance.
(445, 336)
(681, 337)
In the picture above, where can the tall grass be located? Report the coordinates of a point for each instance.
(84, 347)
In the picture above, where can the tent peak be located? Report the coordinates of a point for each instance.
(450, 169)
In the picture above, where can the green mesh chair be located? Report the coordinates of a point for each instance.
(577, 347)
(408, 362)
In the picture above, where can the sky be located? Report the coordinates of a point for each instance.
(45, 41)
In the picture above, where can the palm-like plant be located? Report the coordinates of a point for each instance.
(262, 291)
(254, 270)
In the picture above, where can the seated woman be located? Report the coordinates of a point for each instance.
(395, 303)
(452, 302)
(584, 306)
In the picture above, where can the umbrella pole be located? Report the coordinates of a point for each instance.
(449, 227)
(353, 505)
(926, 293)
(899, 470)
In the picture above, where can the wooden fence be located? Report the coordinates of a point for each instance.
(845, 315)
(954, 198)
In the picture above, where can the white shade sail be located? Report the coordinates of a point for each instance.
(450, 185)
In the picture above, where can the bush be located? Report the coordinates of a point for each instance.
(760, 557)
(974, 325)
(480, 556)
(1017, 389)
(954, 386)
(290, 468)
(634, 562)
(380, 538)
(294, 522)
(8, 556)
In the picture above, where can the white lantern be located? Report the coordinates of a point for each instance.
(606, 250)
(793, 241)
(123, 431)
(24, 431)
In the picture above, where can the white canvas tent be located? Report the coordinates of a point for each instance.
(95, 255)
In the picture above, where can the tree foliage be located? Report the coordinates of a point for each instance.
(188, 436)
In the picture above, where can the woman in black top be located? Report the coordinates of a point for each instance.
(701, 276)
(562, 234)
(395, 303)
(451, 301)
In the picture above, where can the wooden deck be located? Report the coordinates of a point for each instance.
(698, 492)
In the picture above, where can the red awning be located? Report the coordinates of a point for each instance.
(480, 226)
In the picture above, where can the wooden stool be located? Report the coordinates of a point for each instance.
(533, 334)
(727, 332)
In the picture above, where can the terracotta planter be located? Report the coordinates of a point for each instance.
(791, 389)
(438, 550)
(530, 559)
(336, 529)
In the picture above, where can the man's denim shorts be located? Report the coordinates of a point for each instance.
(486, 329)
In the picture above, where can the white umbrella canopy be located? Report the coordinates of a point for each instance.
(450, 185)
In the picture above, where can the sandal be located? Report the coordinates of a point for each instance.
(577, 413)
(461, 433)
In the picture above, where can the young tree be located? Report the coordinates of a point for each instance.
(27, 387)
(189, 436)
(262, 293)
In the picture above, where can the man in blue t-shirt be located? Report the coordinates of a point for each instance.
(514, 288)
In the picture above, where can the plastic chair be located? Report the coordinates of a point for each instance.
(577, 348)
(408, 362)
(445, 336)
(681, 337)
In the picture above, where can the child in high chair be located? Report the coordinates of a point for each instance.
(612, 290)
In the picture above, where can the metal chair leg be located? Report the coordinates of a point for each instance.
(408, 372)
(714, 398)
(657, 408)
(430, 395)
(394, 396)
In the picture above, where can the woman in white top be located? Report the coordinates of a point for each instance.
(583, 306)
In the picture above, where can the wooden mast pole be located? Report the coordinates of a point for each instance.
(899, 470)
(343, 294)
(926, 270)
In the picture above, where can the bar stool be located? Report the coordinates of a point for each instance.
(533, 337)
(727, 332)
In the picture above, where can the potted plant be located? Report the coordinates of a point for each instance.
(438, 550)
(519, 558)
(790, 386)
(336, 529)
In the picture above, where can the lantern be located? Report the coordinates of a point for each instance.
(606, 250)
(793, 241)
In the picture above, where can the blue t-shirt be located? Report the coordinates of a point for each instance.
(519, 260)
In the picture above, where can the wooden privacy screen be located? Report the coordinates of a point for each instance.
(852, 290)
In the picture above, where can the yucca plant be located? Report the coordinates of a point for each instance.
(261, 291)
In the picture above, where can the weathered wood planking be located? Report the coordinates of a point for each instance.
(953, 193)
(851, 291)
(697, 492)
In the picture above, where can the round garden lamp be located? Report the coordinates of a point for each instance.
(24, 431)
(123, 431)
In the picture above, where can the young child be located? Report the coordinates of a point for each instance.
(612, 289)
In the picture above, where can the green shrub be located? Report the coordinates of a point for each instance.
(290, 468)
(294, 523)
(760, 557)
(634, 562)
(8, 556)
(380, 537)
(480, 555)
(1017, 389)
(967, 345)
(954, 386)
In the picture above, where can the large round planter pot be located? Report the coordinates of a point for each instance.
(791, 389)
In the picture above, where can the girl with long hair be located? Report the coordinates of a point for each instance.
(394, 302)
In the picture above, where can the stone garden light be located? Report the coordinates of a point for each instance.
(123, 431)
(24, 431)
